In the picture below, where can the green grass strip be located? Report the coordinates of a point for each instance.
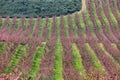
(112, 18)
(42, 25)
(96, 17)
(105, 20)
(20, 51)
(66, 27)
(17, 25)
(57, 74)
(26, 23)
(58, 29)
(90, 24)
(49, 28)
(36, 62)
(2, 46)
(82, 25)
(77, 63)
(118, 13)
(9, 24)
(34, 23)
(74, 27)
(1, 23)
(96, 61)
(107, 53)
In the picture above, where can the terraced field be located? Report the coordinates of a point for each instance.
(81, 46)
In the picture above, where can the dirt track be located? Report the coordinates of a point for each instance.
(83, 5)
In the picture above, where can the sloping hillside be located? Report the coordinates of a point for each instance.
(84, 45)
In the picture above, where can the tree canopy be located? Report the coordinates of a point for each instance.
(36, 8)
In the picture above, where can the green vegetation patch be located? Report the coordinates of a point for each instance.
(20, 51)
(58, 62)
(97, 63)
(36, 62)
(38, 7)
(2, 46)
(78, 60)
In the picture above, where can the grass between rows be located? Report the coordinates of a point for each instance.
(20, 51)
(77, 63)
(58, 62)
(96, 61)
(2, 46)
(36, 62)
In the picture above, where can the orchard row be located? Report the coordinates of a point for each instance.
(74, 47)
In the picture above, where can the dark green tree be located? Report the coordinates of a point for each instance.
(35, 8)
